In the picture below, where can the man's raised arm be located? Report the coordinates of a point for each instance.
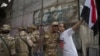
(77, 24)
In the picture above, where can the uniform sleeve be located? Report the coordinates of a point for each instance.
(12, 47)
(69, 31)
(29, 41)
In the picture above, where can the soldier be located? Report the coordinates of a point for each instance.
(30, 30)
(22, 43)
(50, 39)
(34, 34)
(7, 43)
(36, 37)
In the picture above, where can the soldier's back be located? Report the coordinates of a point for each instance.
(4, 51)
(21, 47)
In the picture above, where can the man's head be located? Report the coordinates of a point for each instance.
(62, 27)
(22, 31)
(32, 28)
(54, 26)
(6, 29)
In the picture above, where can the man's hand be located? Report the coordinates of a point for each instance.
(77, 24)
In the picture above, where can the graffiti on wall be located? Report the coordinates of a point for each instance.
(59, 13)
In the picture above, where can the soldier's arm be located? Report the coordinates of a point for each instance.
(77, 25)
(29, 41)
(12, 47)
(41, 43)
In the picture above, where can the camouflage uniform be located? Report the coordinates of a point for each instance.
(51, 44)
(22, 42)
(3, 49)
(51, 41)
(30, 30)
(34, 34)
(35, 38)
(7, 43)
(10, 41)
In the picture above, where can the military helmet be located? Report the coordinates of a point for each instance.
(36, 32)
(55, 23)
(23, 33)
(32, 26)
(6, 27)
(21, 29)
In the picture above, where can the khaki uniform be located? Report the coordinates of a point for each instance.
(34, 34)
(7, 43)
(8, 48)
(22, 45)
(51, 44)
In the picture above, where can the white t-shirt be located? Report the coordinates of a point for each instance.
(69, 47)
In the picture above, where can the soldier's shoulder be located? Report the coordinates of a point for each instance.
(11, 38)
(47, 34)
(35, 32)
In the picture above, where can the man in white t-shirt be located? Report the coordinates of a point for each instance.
(69, 48)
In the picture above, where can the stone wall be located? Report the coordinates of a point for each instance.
(23, 10)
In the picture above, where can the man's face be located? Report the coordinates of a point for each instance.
(61, 27)
(55, 28)
(29, 30)
(22, 33)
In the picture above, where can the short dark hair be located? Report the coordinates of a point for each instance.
(64, 25)
(55, 25)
